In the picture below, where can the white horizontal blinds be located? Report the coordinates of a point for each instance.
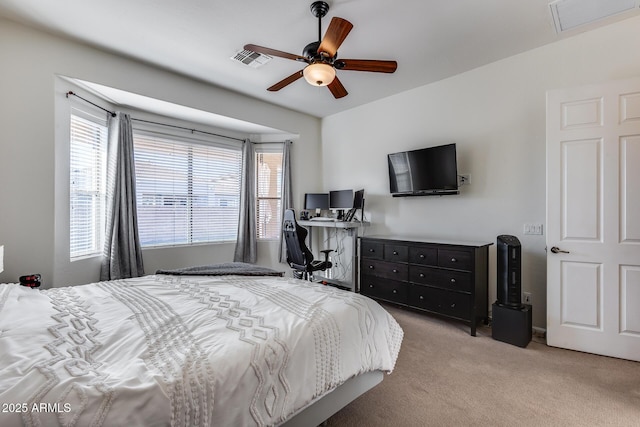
(187, 192)
(88, 143)
(268, 194)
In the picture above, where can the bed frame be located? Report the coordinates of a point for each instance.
(324, 407)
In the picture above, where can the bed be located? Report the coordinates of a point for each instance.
(189, 350)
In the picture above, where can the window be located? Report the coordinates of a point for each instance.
(188, 191)
(268, 193)
(88, 143)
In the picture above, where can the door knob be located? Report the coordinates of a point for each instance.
(556, 250)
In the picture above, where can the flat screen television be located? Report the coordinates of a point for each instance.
(425, 172)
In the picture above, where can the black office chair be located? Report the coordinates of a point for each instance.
(299, 257)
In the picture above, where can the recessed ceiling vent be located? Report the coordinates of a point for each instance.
(251, 58)
(569, 14)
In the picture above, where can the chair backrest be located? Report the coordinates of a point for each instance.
(298, 254)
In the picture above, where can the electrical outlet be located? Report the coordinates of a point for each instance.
(526, 298)
(465, 179)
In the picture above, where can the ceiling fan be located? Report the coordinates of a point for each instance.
(322, 56)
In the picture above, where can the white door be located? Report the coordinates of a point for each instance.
(593, 219)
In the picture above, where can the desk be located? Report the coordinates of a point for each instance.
(352, 228)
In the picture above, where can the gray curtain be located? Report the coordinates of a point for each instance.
(122, 256)
(246, 245)
(287, 193)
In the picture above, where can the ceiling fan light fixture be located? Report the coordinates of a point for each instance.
(321, 56)
(319, 74)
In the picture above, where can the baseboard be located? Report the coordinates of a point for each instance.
(539, 332)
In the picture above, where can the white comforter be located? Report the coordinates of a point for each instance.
(183, 350)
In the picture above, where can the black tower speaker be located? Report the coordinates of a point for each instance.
(509, 271)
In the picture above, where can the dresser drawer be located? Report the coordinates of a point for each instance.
(372, 250)
(423, 255)
(437, 300)
(449, 258)
(388, 270)
(446, 279)
(378, 287)
(396, 253)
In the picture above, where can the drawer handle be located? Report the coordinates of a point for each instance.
(421, 297)
(453, 305)
(454, 260)
(395, 252)
(421, 256)
(395, 271)
(370, 285)
(371, 250)
(395, 291)
(453, 280)
(371, 267)
(422, 275)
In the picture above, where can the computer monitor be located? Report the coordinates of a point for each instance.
(340, 201)
(316, 201)
(358, 199)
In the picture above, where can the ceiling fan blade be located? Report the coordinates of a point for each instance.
(285, 82)
(274, 52)
(336, 33)
(337, 89)
(366, 65)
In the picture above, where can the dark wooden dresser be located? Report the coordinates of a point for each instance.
(445, 278)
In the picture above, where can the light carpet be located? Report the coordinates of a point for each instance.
(445, 377)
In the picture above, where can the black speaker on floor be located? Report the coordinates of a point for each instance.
(509, 275)
(511, 325)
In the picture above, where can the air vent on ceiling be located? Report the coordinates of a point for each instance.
(569, 14)
(251, 58)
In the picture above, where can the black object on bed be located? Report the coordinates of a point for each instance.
(223, 269)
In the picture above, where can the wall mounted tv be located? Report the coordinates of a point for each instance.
(429, 171)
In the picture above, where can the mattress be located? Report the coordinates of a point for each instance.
(183, 350)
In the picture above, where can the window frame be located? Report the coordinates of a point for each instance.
(148, 130)
(268, 149)
(98, 118)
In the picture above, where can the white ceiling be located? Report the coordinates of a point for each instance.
(430, 40)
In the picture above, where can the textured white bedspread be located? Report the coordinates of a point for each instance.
(183, 350)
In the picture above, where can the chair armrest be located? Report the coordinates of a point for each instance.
(326, 253)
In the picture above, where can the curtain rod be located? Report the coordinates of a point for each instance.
(113, 114)
(186, 128)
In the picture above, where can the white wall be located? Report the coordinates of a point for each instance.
(29, 174)
(496, 115)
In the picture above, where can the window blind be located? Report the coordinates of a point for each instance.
(87, 157)
(187, 192)
(268, 194)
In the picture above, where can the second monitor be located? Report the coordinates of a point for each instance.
(341, 200)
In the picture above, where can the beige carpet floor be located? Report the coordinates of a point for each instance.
(445, 377)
